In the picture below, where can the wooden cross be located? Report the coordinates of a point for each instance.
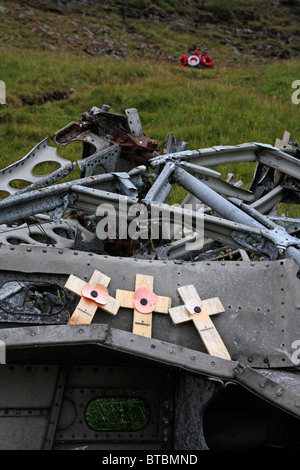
(284, 143)
(93, 295)
(144, 302)
(199, 312)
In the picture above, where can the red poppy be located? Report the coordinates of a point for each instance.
(97, 293)
(183, 60)
(207, 61)
(144, 300)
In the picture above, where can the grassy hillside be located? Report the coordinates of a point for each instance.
(55, 69)
(232, 31)
(202, 107)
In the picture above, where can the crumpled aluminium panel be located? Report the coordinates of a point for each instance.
(236, 220)
(238, 224)
(60, 234)
(259, 325)
(250, 257)
(23, 169)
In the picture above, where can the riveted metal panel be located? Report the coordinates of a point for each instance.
(26, 393)
(261, 300)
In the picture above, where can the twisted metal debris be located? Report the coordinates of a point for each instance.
(238, 223)
(223, 238)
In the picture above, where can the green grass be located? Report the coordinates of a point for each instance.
(246, 96)
(155, 30)
(117, 414)
(220, 106)
(204, 107)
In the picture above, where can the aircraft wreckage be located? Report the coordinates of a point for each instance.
(201, 321)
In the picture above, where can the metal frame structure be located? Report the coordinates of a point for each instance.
(246, 255)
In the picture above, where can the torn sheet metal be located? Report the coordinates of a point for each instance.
(20, 206)
(99, 129)
(185, 168)
(107, 159)
(41, 232)
(255, 326)
(255, 296)
(24, 169)
(246, 255)
(34, 302)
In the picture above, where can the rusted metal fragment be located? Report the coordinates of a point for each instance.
(135, 149)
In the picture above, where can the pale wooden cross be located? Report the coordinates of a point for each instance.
(199, 312)
(93, 295)
(144, 302)
(284, 143)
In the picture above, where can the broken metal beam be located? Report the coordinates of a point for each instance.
(165, 215)
(213, 179)
(20, 206)
(283, 160)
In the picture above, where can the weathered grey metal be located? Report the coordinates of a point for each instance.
(59, 202)
(61, 234)
(282, 160)
(258, 349)
(250, 305)
(34, 303)
(180, 249)
(134, 122)
(48, 180)
(161, 187)
(213, 180)
(267, 202)
(17, 207)
(90, 199)
(104, 336)
(268, 384)
(189, 432)
(23, 169)
(215, 227)
(107, 120)
(274, 232)
(278, 390)
(213, 156)
(107, 159)
(261, 299)
(221, 205)
(51, 414)
(126, 185)
(174, 145)
(56, 409)
(254, 236)
(224, 207)
(86, 137)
